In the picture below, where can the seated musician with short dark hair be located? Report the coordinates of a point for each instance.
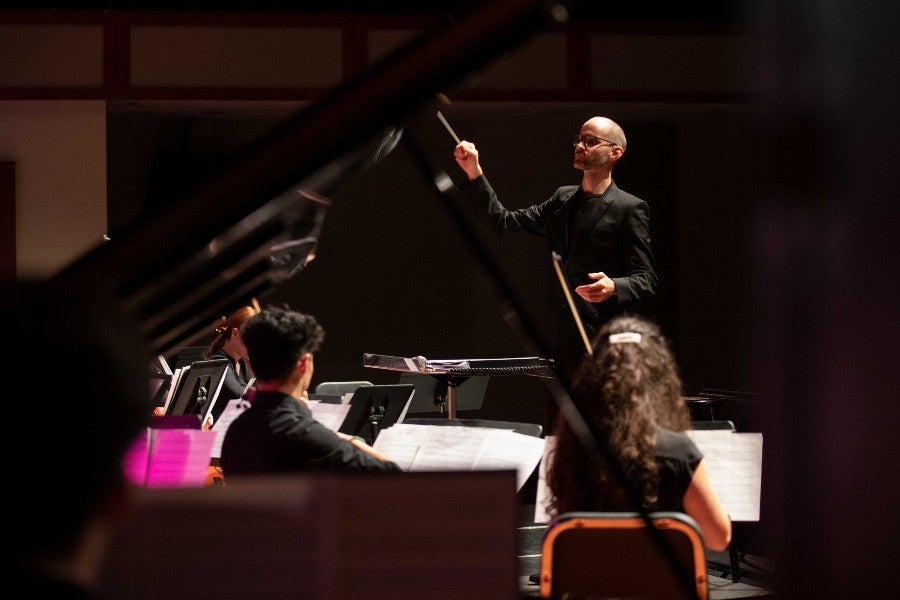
(277, 433)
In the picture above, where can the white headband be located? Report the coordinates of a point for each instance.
(627, 337)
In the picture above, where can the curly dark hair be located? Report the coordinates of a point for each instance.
(277, 337)
(626, 390)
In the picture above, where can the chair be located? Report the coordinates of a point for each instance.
(339, 388)
(613, 555)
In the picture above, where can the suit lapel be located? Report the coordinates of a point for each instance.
(596, 211)
(560, 221)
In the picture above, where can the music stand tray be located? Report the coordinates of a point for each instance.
(455, 371)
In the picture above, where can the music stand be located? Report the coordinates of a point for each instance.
(376, 407)
(198, 388)
(456, 371)
(431, 392)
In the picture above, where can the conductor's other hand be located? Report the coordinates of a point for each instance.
(602, 289)
(466, 155)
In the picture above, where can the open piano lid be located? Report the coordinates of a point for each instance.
(257, 221)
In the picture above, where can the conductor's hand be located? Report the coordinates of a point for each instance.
(601, 290)
(466, 155)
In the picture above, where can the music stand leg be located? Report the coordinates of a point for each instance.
(451, 400)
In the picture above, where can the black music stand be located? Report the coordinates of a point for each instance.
(432, 392)
(376, 407)
(198, 389)
(454, 372)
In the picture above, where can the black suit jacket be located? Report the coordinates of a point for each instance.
(613, 237)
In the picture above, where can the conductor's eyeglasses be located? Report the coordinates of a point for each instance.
(591, 141)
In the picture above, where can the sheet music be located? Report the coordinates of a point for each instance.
(170, 457)
(513, 451)
(734, 461)
(448, 364)
(450, 448)
(402, 444)
(179, 457)
(232, 410)
(173, 385)
(440, 448)
(329, 415)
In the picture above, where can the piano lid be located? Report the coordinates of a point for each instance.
(257, 221)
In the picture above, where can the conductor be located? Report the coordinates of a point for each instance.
(601, 232)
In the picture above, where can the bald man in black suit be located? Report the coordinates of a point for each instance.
(601, 233)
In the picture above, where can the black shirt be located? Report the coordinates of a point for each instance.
(278, 434)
